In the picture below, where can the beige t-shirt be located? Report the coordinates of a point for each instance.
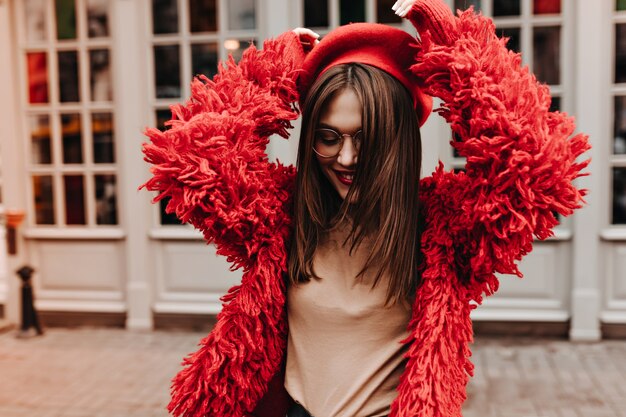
(344, 356)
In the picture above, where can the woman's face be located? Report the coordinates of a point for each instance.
(342, 114)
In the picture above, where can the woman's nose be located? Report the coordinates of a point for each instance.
(348, 153)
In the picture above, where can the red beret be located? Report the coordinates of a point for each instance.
(384, 47)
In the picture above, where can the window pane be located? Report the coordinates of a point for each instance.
(167, 71)
(106, 199)
(546, 6)
(555, 104)
(506, 7)
(41, 149)
(620, 53)
(547, 54)
(204, 59)
(74, 199)
(315, 13)
(44, 206)
(619, 125)
(98, 18)
(619, 196)
(514, 38)
(66, 19)
(164, 16)
(203, 15)
(165, 217)
(103, 143)
(72, 139)
(35, 20)
(163, 116)
(68, 76)
(241, 14)
(351, 11)
(465, 4)
(100, 85)
(384, 12)
(620, 5)
(236, 47)
(37, 77)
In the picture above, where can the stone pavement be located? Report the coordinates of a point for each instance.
(117, 373)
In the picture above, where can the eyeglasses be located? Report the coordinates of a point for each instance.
(328, 142)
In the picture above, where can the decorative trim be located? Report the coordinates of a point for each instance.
(92, 306)
(614, 234)
(68, 233)
(520, 315)
(175, 233)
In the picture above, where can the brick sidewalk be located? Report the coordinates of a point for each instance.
(117, 373)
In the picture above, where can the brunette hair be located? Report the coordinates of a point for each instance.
(385, 187)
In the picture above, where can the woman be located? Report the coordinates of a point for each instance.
(344, 306)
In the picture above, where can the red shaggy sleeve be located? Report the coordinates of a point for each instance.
(212, 166)
(521, 163)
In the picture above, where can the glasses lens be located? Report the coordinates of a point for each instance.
(327, 142)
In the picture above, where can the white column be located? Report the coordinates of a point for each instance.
(129, 69)
(12, 154)
(591, 110)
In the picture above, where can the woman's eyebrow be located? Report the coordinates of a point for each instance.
(328, 126)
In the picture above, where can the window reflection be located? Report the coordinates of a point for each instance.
(40, 149)
(620, 53)
(619, 196)
(203, 15)
(66, 19)
(167, 71)
(315, 13)
(74, 199)
(103, 143)
(43, 195)
(351, 11)
(465, 4)
(384, 12)
(241, 14)
(164, 16)
(506, 7)
(72, 139)
(98, 18)
(547, 54)
(37, 63)
(167, 218)
(100, 84)
(546, 6)
(35, 23)
(162, 116)
(204, 58)
(68, 76)
(619, 125)
(555, 104)
(514, 38)
(236, 48)
(106, 199)
(620, 5)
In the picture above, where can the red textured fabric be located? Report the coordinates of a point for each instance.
(521, 164)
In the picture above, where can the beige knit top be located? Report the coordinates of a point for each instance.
(344, 356)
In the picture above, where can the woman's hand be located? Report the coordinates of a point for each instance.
(402, 7)
(308, 38)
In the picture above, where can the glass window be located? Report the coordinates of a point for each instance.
(167, 218)
(241, 14)
(98, 18)
(44, 205)
(66, 19)
(555, 104)
(203, 15)
(103, 143)
(465, 4)
(40, 143)
(619, 196)
(316, 13)
(72, 139)
(546, 6)
(36, 24)
(204, 58)
(74, 199)
(351, 11)
(106, 199)
(384, 12)
(236, 48)
(162, 116)
(620, 53)
(164, 16)
(547, 54)
(620, 5)
(167, 71)
(100, 84)
(37, 63)
(506, 7)
(619, 125)
(68, 76)
(514, 38)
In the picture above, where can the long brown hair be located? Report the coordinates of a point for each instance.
(385, 187)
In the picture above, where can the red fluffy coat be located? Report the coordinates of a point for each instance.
(212, 165)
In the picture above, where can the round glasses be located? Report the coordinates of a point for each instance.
(328, 142)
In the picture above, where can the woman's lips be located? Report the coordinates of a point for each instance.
(344, 177)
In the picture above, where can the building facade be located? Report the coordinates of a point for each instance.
(82, 78)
